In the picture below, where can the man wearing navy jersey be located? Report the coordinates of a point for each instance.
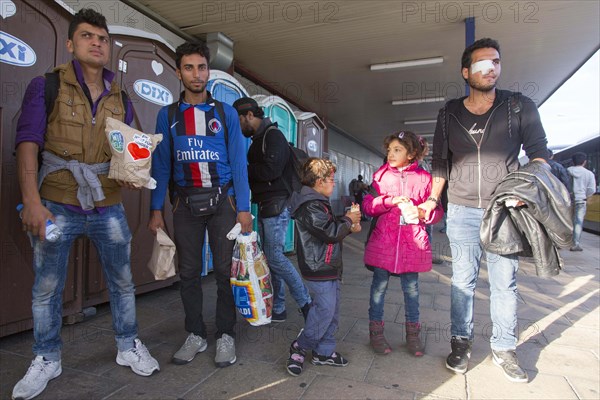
(199, 153)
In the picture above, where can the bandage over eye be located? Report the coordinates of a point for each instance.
(483, 66)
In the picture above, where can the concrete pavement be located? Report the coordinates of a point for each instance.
(559, 323)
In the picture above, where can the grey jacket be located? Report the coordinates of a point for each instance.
(536, 229)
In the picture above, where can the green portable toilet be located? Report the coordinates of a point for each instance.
(279, 111)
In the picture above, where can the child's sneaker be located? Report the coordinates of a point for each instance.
(296, 361)
(335, 360)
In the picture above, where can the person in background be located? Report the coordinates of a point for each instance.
(358, 189)
(320, 236)
(559, 171)
(584, 185)
(74, 147)
(399, 243)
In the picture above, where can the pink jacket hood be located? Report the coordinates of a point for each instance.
(394, 247)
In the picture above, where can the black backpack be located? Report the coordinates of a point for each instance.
(297, 158)
(51, 93)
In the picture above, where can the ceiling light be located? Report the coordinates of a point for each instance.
(420, 121)
(418, 101)
(407, 64)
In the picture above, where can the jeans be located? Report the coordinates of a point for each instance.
(322, 322)
(189, 237)
(110, 233)
(410, 288)
(463, 232)
(272, 236)
(578, 216)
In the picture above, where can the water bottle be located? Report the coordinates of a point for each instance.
(53, 232)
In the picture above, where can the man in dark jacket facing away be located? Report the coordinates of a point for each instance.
(269, 175)
(476, 143)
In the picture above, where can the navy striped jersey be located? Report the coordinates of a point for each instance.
(194, 150)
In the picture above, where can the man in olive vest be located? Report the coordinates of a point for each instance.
(73, 190)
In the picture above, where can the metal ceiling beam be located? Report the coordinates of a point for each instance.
(148, 12)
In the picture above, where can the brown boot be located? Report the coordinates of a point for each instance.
(378, 342)
(413, 341)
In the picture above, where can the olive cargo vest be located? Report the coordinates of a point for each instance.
(73, 133)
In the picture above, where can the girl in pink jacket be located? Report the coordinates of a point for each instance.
(399, 244)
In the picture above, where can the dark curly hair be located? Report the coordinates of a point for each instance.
(191, 48)
(89, 16)
(484, 43)
(413, 143)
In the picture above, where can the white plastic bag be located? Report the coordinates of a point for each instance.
(251, 281)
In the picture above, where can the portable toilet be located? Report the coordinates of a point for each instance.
(279, 111)
(311, 133)
(226, 89)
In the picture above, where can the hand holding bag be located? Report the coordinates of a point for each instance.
(162, 262)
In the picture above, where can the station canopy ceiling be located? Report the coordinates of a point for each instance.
(319, 54)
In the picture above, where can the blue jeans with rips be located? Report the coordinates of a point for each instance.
(272, 236)
(323, 319)
(110, 234)
(578, 216)
(410, 288)
(463, 233)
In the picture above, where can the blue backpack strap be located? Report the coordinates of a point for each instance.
(221, 112)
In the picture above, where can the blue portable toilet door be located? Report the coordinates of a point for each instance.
(224, 87)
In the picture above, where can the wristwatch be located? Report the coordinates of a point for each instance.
(432, 199)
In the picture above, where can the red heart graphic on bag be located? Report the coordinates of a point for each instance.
(137, 152)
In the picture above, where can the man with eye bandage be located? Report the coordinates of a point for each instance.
(476, 144)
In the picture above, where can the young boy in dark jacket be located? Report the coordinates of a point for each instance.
(320, 234)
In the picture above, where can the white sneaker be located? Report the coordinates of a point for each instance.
(225, 351)
(138, 359)
(193, 345)
(35, 380)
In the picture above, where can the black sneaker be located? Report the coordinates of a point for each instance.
(335, 360)
(279, 317)
(296, 361)
(507, 360)
(458, 360)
